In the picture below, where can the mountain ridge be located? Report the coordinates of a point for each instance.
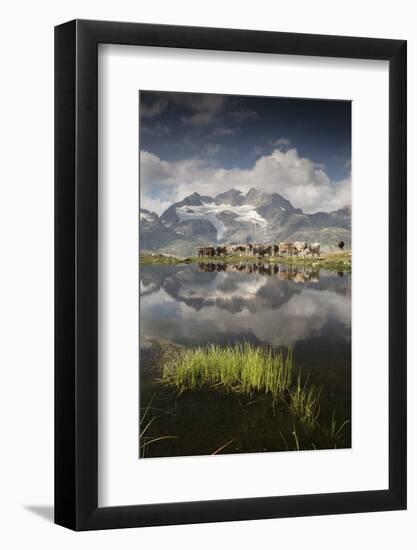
(234, 217)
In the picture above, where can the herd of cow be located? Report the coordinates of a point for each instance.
(299, 248)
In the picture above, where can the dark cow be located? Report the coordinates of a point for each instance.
(256, 249)
(266, 250)
(239, 248)
(209, 251)
(341, 245)
(221, 251)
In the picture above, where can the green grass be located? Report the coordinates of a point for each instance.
(334, 432)
(158, 259)
(243, 368)
(305, 401)
(334, 261)
(144, 440)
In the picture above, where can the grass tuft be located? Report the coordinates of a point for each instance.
(242, 368)
(305, 401)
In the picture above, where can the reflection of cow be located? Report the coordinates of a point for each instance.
(302, 277)
(300, 247)
(208, 266)
(286, 249)
(284, 273)
(314, 249)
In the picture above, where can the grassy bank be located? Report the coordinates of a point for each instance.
(153, 258)
(335, 261)
(243, 369)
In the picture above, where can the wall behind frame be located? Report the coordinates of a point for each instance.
(26, 277)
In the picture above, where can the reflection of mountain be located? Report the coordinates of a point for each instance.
(234, 217)
(231, 292)
(188, 306)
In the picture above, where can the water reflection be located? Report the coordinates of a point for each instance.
(298, 274)
(260, 303)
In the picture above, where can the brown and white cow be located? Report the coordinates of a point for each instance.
(300, 247)
(286, 249)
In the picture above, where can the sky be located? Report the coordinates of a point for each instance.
(208, 143)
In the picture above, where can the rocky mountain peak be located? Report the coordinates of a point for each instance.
(233, 197)
(233, 217)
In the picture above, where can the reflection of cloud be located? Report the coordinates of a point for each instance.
(223, 287)
(212, 307)
(302, 317)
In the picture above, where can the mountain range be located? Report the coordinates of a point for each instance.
(235, 217)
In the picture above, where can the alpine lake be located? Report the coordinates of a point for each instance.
(244, 357)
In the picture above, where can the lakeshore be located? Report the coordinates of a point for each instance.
(334, 261)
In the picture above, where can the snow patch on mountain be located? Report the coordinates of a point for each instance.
(245, 213)
(145, 216)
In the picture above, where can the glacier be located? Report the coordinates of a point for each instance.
(245, 213)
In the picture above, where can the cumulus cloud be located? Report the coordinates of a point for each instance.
(304, 183)
(157, 205)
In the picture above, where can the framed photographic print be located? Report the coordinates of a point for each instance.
(230, 275)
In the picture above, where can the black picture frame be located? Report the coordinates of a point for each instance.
(76, 272)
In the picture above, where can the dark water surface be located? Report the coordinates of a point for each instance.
(275, 305)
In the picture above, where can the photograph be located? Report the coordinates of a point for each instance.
(245, 274)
